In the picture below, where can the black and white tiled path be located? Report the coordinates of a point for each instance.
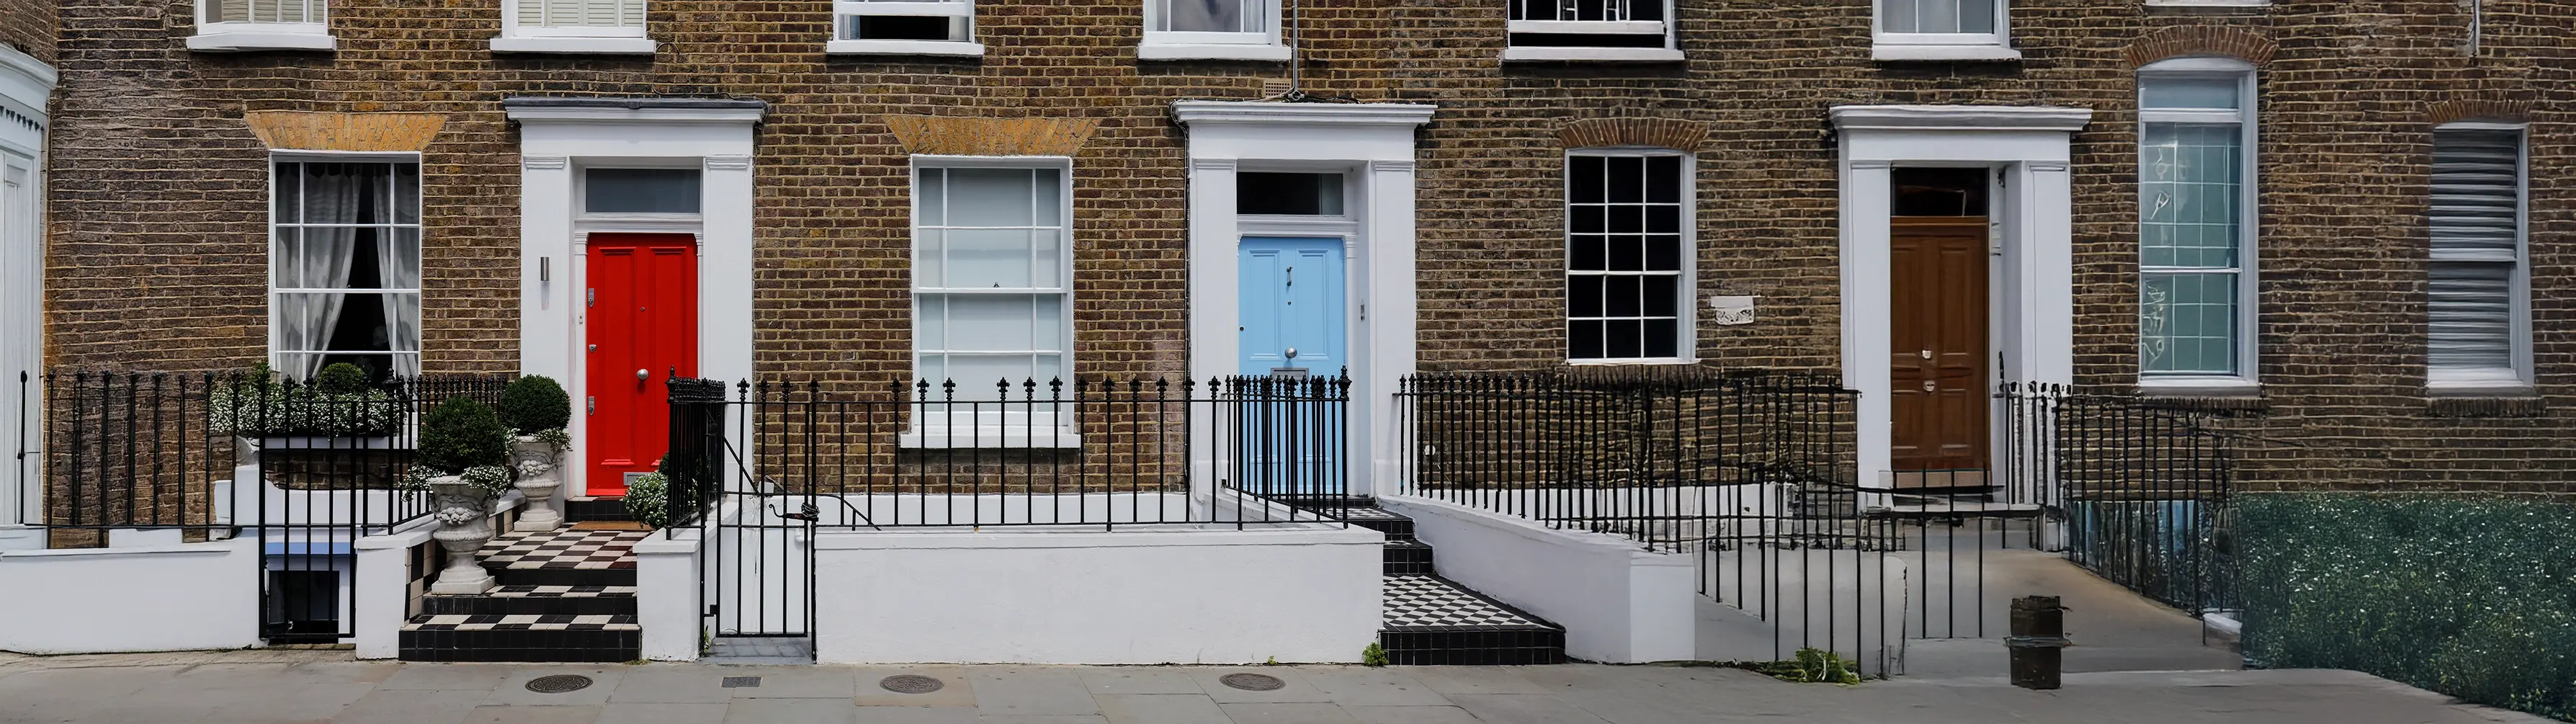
(565, 595)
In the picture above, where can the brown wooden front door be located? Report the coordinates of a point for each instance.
(1939, 322)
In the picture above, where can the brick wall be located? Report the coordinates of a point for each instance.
(28, 27)
(159, 246)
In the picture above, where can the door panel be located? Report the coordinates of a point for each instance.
(642, 325)
(1941, 356)
(1290, 294)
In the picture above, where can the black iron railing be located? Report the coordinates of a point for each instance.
(155, 450)
(2142, 489)
(1106, 452)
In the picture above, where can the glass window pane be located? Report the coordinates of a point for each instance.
(406, 193)
(401, 262)
(1046, 330)
(1583, 296)
(1664, 179)
(1583, 339)
(286, 257)
(2190, 191)
(1210, 16)
(1976, 16)
(1623, 338)
(1663, 338)
(1663, 252)
(930, 322)
(1627, 252)
(1288, 193)
(1661, 296)
(1583, 179)
(2187, 323)
(1625, 218)
(1937, 16)
(988, 258)
(1664, 219)
(344, 193)
(929, 203)
(1587, 220)
(977, 374)
(990, 197)
(1627, 179)
(928, 269)
(2185, 93)
(990, 322)
(1896, 16)
(289, 191)
(1590, 253)
(1047, 197)
(640, 191)
(1620, 296)
(1046, 248)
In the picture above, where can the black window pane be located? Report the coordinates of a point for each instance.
(1623, 338)
(1664, 219)
(1620, 296)
(1583, 179)
(1583, 296)
(1587, 219)
(1664, 179)
(900, 27)
(290, 189)
(1628, 253)
(641, 191)
(1587, 254)
(1626, 219)
(1663, 253)
(1661, 339)
(1297, 194)
(1583, 340)
(1646, 10)
(1659, 296)
(1627, 178)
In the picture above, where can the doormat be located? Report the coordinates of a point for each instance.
(610, 525)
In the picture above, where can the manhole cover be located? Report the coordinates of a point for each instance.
(741, 682)
(558, 683)
(911, 684)
(1253, 682)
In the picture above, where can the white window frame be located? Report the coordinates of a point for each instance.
(277, 357)
(1011, 428)
(1686, 290)
(596, 39)
(1197, 45)
(1887, 46)
(216, 35)
(2517, 379)
(2247, 380)
(953, 9)
(1669, 51)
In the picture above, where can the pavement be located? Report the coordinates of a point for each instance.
(317, 686)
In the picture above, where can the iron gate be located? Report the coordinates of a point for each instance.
(756, 559)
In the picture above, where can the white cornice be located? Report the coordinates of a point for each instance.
(1274, 113)
(1960, 118)
(637, 110)
(25, 79)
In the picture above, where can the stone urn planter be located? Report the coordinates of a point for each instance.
(538, 464)
(464, 524)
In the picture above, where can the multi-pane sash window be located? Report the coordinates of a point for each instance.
(1588, 23)
(991, 279)
(1210, 21)
(2193, 226)
(264, 11)
(592, 18)
(345, 266)
(2477, 334)
(1941, 22)
(912, 20)
(1628, 256)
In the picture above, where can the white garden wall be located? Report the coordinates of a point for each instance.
(1148, 594)
(667, 596)
(158, 597)
(1618, 602)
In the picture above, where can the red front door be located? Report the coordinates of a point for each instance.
(643, 325)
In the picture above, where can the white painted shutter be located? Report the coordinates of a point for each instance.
(2476, 230)
(582, 13)
(267, 11)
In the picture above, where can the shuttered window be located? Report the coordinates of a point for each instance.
(581, 13)
(267, 11)
(2475, 332)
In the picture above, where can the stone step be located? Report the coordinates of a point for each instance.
(582, 509)
(1432, 621)
(1408, 558)
(1396, 527)
(531, 599)
(563, 557)
(522, 638)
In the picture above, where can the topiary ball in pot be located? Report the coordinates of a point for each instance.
(535, 403)
(341, 378)
(461, 433)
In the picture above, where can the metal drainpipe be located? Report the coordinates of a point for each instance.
(1296, 54)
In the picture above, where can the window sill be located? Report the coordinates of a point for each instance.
(575, 45)
(1544, 54)
(2200, 387)
(989, 439)
(1941, 53)
(1214, 51)
(221, 41)
(2480, 388)
(2209, 3)
(941, 48)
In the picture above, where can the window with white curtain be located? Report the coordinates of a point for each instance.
(1628, 257)
(574, 18)
(2476, 304)
(1942, 30)
(907, 27)
(344, 273)
(2195, 223)
(992, 291)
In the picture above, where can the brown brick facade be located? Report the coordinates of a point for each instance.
(28, 27)
(159, 244)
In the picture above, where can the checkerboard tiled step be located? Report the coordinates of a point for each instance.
(565, 596)
(617, 641)
(1432, 621)
(577, 600)
(564, 557)
(1408, 558)
(1396, 527)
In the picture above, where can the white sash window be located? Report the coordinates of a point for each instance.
(1950, 30)
(992, 280)
(224, 25)
(904, 27)
(2196, 225)
(344, 272)
(2478, 334)
(1574, 30)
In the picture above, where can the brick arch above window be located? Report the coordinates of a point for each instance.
(1672, 133)
(966, 136)
(2477, 109)
(325, 131)
(2200, 40)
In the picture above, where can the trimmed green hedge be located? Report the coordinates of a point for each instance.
(2468, 595)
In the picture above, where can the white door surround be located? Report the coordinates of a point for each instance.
(2032, 207)
(1373, 144)
(560, 136)
(25, 86)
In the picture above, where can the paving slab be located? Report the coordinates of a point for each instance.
(1410, 715)
(1294, 686)
(1042, 719)
(916, 715)
(534, 715)
(449, 676)
(795, 682)
(1523, 709)
(1472, 679)
(1031, 691)
(660, 712)
(1139, 680)
(672, 685)
(1356, 686)
(1287, 713)
(411, 706)
(1190, 708)
(791, 711)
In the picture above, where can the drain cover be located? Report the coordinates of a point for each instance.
(1253, 682)
(558, 683)
(912, 684)
(741, 682)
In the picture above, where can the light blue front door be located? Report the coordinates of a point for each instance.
(1292, 337)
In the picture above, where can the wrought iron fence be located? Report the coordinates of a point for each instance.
(1104, 452)
(2143, 490)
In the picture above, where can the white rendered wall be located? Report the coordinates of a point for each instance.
(1617, 602)
(1307, 593)
(158, 598)
(666, 596)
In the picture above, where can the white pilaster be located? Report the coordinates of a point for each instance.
(1387, 312)
(2048, 251)
(724, 270)
(1866, 342)
(1213, 302)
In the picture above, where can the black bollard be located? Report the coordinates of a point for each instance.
(2038, 635)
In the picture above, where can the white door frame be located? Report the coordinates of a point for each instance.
(1373, 143)
(25, 86)
(2033, 226)
(558, 137)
